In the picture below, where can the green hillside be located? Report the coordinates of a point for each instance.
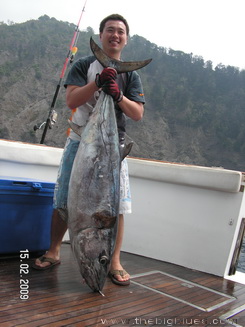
(194, 114)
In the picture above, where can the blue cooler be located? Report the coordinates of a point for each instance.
(26, 208)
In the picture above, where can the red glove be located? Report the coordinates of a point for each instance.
(108, 74)
(112, 89)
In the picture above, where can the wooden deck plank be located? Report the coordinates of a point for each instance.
(59, 298)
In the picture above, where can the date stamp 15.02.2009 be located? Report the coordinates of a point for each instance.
(24, 271)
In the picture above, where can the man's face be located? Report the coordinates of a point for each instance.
(114, 38)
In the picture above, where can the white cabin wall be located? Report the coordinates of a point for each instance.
(184, 225)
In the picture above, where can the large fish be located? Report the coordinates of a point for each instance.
(94, 189)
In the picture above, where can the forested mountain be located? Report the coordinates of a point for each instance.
(194, 114)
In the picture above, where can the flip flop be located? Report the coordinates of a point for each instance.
(122, 273)
(46, 259)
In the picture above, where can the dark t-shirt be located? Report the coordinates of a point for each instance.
(84, 71)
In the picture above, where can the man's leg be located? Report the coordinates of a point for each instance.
(59, 226)
(115, 262)
(125, 207)
(58, 229)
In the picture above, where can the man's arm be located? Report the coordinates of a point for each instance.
(132, 109)
(78, 95)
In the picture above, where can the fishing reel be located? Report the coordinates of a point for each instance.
(52, 120)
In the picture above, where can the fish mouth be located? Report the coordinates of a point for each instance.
(95, 280)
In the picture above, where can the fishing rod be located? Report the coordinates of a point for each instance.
(52, 116)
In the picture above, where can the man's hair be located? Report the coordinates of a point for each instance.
(114, 17)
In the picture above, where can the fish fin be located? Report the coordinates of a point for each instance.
(125, 149)
(120, 66)
(76, 128)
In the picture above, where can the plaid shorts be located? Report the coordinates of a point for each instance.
(64, 173)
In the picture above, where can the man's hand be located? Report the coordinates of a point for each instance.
(107, 75)
(113, 89)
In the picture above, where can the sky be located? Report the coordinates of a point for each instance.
(212, 29)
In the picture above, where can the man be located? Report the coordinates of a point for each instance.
(84, 82)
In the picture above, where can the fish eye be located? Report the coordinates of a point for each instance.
(104, 260)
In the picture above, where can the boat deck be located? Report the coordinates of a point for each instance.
(160, 294)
